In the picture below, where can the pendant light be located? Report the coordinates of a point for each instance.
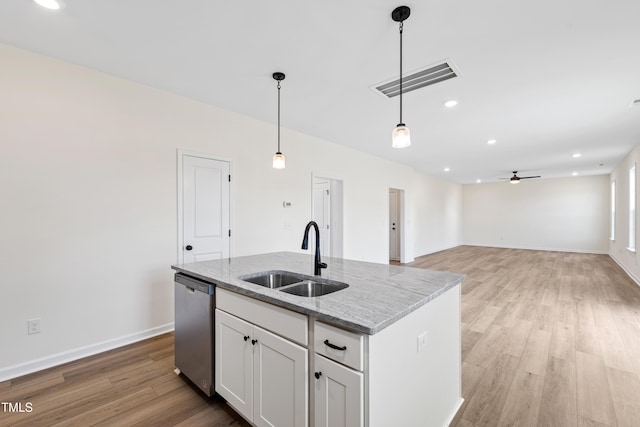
(278, 158)
(51, 4)
(400, 137)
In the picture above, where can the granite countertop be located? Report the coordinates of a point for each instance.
(378, 294)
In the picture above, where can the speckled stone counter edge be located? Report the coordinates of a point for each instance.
(378, 294)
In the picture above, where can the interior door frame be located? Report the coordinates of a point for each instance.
(180, 154)
(337, 221)
(326, 250)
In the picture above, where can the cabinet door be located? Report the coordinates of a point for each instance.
(234, 362)
(280, 381)
(338, 395)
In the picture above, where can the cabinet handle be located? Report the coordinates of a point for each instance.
(317, 375)
(253, 342)
(333, 346)
(188, 247)
(246, 337)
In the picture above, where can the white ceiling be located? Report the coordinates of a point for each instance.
(546, 79)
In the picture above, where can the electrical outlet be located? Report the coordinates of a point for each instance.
(33, 326)
(422, 341)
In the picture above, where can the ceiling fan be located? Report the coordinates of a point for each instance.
(515, 179)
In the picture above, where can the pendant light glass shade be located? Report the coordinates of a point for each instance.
(50, 4)
(278, 161)
(401, 136)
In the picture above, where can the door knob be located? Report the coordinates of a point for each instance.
(188, 247)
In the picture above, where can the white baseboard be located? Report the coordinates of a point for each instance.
(454, 413)
(78, 353)
(629, 273)
(444, 248)
(534, 248)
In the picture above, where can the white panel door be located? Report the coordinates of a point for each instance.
(205, 190)
(339, 395)
(321, 214)
(280, 381)
(234, 362)
(393, 225)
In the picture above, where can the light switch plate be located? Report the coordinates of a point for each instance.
(422, 341)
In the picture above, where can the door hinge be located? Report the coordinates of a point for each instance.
(229, 178)
(327, 192)
(229, 233)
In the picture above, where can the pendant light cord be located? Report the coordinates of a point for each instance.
(278, 116)
(401, 28)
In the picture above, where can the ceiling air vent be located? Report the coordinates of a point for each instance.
(425, 77)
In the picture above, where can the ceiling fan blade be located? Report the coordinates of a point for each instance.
(528, 177)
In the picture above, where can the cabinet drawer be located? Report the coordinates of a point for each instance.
(283, 322)
(350, 346)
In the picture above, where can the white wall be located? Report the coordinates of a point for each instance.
(438, 211)
(564, 214)
(88, 173)
(627, 259)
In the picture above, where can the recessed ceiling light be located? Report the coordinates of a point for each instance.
(451, 103)
(447, 169)
(478, 180)
(575, 174)
(50, 4)
(576, 155)
(491, 141)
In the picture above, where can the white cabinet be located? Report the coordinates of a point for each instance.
(358, 380)
(262, 375)
(234, 362)
(339, 389)
(339, 395)
(280, 387)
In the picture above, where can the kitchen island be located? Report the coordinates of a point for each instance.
(384, 351)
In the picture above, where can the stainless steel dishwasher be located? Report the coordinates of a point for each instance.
(194, 331)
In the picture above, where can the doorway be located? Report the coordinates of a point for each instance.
(203, 208)
(327, 212)
(395, 224)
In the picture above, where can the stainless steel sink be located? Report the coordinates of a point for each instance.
(293, 283)
(272, 279)
(310, 288)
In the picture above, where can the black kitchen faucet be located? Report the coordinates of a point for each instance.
(318, 265)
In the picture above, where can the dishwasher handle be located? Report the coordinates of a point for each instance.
(195, 284)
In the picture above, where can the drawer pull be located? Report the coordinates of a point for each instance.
(333, 346)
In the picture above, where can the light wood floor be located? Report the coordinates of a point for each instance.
(130, 386)
(548, 339)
